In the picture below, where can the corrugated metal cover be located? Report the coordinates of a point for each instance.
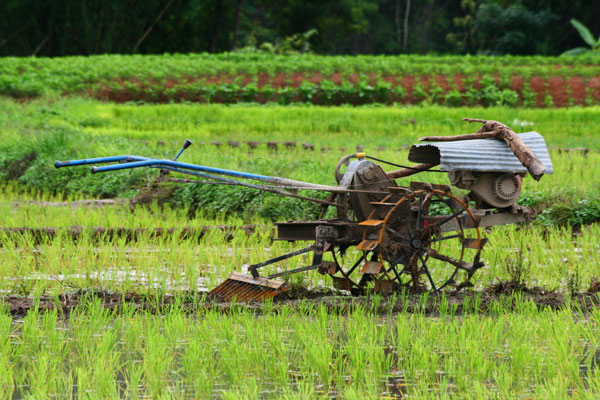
(485, 155)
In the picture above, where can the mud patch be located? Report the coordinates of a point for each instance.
(74, 205)
(488, 301)
(100, 233)
(156, 194)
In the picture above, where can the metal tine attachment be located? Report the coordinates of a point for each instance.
(246, 288)
(257, 288)
(372, 267)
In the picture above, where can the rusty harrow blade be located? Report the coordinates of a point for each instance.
(246, 288)
(386, 287)
(371, 267)
(342, 283)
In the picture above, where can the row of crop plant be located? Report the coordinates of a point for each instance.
(484, 90)
(232, 78)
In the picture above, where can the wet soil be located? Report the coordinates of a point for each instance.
(504, 294)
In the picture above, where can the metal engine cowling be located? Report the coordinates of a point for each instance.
(497, 189)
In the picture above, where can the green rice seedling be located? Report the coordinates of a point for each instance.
(517, 355)
(199, 367)
(58, 265)
(157, 361)
(42, 355)
(8, 352)
(133, 372)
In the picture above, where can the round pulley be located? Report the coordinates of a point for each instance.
(497, 189)
(345, 161)
(506, 187)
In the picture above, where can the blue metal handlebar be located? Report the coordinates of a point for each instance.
(99, 160)
(177, 164)
(130, 162)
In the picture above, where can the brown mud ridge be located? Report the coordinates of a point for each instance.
(76, 204)
(40, 235)
(503, 296)
(276, 145)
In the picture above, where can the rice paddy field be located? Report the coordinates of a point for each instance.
(105, 300)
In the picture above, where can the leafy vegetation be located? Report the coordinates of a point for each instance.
(240, 77)
(588, 38)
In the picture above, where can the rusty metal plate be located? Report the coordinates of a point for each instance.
(371, 222)
(474, 243)
(385, 287)
(245, 288)
(341, 283)
(367, 245)
(371, 267)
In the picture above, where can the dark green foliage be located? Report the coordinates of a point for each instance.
(518, 26)
(65, 27)
(511, 30)
(565, 207)
(216, 199)
(29, 162)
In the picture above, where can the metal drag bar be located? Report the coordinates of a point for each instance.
(224, 181)
(232, 182)
(253, 268)
(318, 249)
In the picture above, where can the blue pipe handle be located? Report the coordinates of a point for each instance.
(177, 164)
(130, 162)
(99, 160)
(218, 171)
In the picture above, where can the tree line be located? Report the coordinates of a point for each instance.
(73, 27)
